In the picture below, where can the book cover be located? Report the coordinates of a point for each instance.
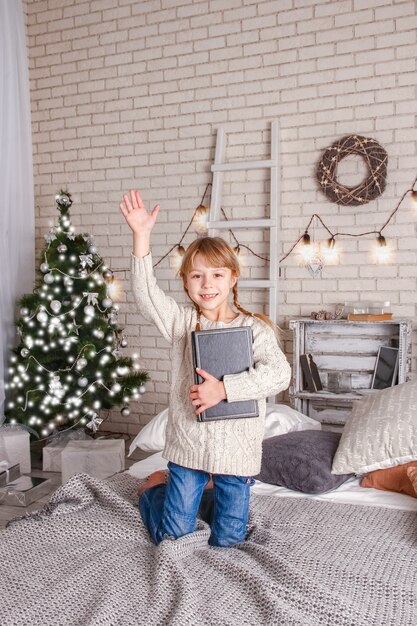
(219, 352)
(369, 317)
(315, 373)
(309, 384)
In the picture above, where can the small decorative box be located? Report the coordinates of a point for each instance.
(97, 457)
(8, 473)
(15, 447)
(25, 490)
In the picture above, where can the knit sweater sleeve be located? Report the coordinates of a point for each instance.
(153, 303)
(271, 372)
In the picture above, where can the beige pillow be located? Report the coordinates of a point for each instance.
(380, 432)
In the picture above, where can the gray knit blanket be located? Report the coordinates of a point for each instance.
(85, 559)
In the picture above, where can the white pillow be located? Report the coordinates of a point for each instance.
(152, 436)
(280, 419)
(380, 432)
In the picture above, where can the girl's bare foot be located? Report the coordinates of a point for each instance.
(159, 477)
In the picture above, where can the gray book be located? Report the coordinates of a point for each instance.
(219, 352)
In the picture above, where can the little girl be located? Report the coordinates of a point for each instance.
(226, 451)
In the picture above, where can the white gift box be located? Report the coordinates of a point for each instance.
(51, 456)
(15, 447)
(97, 457)
(51, 453)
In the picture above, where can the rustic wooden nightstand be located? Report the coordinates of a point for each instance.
(348, 347)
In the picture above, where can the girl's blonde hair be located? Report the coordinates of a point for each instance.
(218, 253)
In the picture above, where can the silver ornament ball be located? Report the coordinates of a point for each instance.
(56, 306)
(99, 334)
(24, 352)
(107, 302)
(44, 267)
(116, 388)
(89, 310)
(123, 342)
(108, 275)
(125, 411)
(42, 317)
(83, 382)
(24, 311)
(92, 249)
(48, 278)
(62, 248)
(142, 389)
(82, 362)
(63, 200)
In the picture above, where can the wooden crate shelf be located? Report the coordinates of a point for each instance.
(344, 346)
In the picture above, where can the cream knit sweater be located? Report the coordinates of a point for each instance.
(225, 446)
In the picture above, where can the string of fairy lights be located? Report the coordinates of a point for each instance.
(305, 244)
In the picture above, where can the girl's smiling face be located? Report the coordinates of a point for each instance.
(209, 288)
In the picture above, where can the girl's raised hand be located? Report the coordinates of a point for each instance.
(136, 215)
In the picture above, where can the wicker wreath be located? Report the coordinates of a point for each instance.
(371, 187)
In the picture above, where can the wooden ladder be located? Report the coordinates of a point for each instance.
(216, 224)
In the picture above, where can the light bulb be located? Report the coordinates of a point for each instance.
(381, 240)
(200, 219)
(381, 251)
(306, 239)
(413, 203)
(176, 258)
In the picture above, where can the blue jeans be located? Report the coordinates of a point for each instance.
(171, 510)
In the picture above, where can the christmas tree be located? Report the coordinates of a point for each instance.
(67, 366)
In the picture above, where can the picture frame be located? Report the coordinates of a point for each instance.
(310, 371)
(386, 368)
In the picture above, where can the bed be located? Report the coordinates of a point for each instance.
(345, 557)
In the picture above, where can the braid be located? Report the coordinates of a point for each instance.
(237, 305)
(261, 316)
(197, 324)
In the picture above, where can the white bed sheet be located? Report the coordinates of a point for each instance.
(348, 493)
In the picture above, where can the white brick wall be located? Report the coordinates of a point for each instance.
(129, 93)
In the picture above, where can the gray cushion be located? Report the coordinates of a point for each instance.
(301, 461)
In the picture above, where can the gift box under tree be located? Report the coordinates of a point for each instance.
(8, 473)
(97, 457)
(51, 453)
(15, 447)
